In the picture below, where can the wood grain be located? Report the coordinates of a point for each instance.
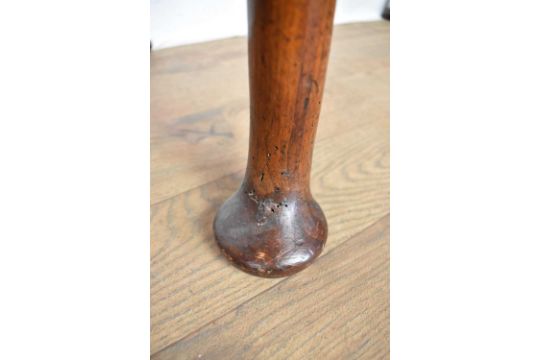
(187, 269)
(192, 174)
(336, 309)
(200, 106)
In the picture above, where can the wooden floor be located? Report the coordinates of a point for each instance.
(203, 307)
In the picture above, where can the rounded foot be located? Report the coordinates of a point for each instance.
(272, 236)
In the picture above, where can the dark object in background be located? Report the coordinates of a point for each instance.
(272, 226)
(386, 11)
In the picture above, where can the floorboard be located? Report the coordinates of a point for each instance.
(337, 309)
(199, 128)
(200, 108)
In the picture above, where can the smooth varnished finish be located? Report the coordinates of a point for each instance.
(272, 226)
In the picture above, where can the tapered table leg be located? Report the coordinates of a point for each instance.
(272, 226)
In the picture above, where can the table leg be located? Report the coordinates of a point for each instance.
(272, 226)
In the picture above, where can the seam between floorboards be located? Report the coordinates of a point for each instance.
(268, 289)
(195, 187)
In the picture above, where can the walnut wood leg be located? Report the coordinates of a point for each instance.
(272, 226)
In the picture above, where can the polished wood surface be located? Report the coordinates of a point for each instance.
(272, 226)
(200, 131)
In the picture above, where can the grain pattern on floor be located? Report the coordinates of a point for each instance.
(200, 108)
(187, 269)
(199, 146)
(338, 309)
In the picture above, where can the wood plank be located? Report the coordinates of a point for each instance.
(200, 108)
(191, 282)
(196, 165)
(336, 309)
